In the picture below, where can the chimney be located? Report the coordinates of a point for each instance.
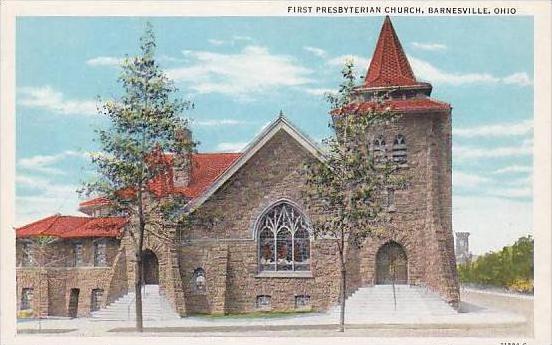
(182, 165)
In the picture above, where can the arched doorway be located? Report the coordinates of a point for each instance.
(391, 264)
(150, 264)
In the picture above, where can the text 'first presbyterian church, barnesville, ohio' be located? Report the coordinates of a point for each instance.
(257, 251)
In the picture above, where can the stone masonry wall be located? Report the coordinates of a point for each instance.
(229, 217)
(52, 284)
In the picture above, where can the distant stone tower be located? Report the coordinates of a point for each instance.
(420, 233)
(462, 247)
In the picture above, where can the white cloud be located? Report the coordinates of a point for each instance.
(496, 130)
(316, 51)
(43, 163)
(426, 71)
(47, 98)
(521, 79)
(429, 46)
(359, 61)
(514, 169)
(46, 198)
(485, 217)
(216, 42)
(242, 38)
(221, 122)
(472, 152)
(526, 181)
(253, 70)
(318, 92)
(105, 61)
(462, 179)
(514, 192)
(231, 146)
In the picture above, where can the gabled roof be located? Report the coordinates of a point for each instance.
(279, 124)
(73, 227)
(389, 65)
(205, 168)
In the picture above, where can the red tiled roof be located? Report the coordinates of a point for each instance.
(206, 168)
(399, 105)
(389, 65)
(73, 227)
(100, 201)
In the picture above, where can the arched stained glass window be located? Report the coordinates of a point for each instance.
(301, 250)
(283, 239)
(267, 259)
(284, 245)
(399, 149)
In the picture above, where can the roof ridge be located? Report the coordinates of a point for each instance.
(218, 153)
(38, 221)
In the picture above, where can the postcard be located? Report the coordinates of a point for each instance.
(254, 171)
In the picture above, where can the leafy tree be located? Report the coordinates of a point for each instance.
(511, 267)
(146, 123)
(348, 187)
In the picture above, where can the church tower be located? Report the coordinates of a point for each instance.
(420, 233)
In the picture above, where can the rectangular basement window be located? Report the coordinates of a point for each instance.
(264, 303)
(302, 302)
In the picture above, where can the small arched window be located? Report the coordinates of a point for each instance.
(283, 239)
(199, 282)
(399, 149)
(379, 149)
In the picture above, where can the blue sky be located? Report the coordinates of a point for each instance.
(241, 71)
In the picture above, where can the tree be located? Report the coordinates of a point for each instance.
(347, 188)
(146, 123)
(511, 267)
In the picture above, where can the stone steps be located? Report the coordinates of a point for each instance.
(154, 307)
(370, 303)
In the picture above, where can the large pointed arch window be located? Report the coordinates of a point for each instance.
(283, 239)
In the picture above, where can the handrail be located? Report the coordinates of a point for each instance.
(143, 287)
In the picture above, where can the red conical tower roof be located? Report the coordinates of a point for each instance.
(389, 65)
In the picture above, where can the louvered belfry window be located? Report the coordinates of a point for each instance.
(399, 149)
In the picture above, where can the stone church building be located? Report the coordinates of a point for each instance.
(253, 249)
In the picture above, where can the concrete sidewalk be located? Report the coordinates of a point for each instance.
(471, 316)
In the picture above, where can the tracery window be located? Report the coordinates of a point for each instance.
(379, 149)
(399, 149)
(284, 240)
(199, 282)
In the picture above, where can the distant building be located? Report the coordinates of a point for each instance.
(462, 249)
